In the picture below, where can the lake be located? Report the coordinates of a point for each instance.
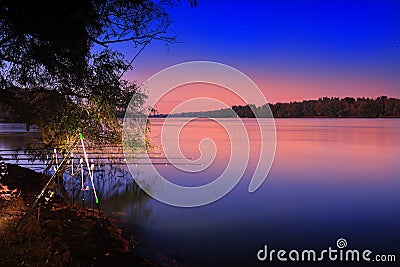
(330, 179)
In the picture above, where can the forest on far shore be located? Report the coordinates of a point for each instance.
(325, 107)
(328, 107)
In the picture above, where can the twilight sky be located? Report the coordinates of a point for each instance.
(293, 50)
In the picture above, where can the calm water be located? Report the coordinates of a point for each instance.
(331, 178)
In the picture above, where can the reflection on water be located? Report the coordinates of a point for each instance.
(331, 178)
(119, 196)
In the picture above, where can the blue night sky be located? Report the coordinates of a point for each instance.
(293, 50)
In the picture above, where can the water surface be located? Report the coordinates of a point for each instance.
(331, 178)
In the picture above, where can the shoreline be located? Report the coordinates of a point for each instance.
(57, 233)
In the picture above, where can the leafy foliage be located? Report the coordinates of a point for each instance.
(51, 43)
(61, 67)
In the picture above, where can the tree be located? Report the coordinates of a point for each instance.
(245, 111)
(61, 68)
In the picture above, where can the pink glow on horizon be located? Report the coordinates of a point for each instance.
(196, 90)
(281, 88)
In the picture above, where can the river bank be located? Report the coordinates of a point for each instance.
(57, 233)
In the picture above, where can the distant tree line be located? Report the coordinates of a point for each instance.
(335, 107)
(246, 111)
(328, 107)
(221, 113)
